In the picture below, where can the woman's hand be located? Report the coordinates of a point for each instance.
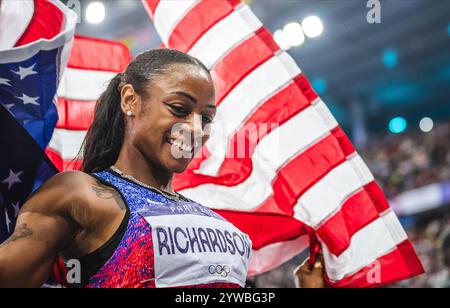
(310, 275)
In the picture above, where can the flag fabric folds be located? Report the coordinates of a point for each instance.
(301, 180)
(34, 50)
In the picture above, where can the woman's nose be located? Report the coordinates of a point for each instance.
(197, 126)
(191, 129)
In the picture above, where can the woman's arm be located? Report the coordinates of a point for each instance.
(44, 227)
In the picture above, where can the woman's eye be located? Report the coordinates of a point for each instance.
(180, 110)
(207, 120)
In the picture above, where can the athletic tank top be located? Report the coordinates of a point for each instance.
(166, 243)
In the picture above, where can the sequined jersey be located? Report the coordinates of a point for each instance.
(172, 244)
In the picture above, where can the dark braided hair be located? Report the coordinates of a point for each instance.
(105, 137)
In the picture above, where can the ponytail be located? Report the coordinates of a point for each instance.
(104, 138)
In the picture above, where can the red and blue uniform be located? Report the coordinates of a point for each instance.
(166, 243)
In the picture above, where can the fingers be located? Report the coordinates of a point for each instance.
(318, 266)
(307, 267)
(310, 275)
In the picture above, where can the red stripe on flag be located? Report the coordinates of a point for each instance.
(357, 212)
(55, 157)
(98, 55)
(150, 6)
(229, 71)
(256, 226)
(401, 263)
(46, 23)
(63, 164)
(199, 20)
(72, 164)
(75, 115)
(61, 113)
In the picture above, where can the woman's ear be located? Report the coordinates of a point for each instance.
(130, 100)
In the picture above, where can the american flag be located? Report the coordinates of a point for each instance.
(35, 41)
(300, 181)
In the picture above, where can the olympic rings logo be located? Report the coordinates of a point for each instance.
(221, 270)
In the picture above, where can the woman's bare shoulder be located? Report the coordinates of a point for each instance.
(61, 191)
(72, 178)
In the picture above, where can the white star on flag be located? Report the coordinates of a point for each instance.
(25, 71)
(28, 100)
(8, 221)
(13, 178)
(16, 209)
(4, 81)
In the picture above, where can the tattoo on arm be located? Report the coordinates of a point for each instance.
(105, 192)
(22, 231)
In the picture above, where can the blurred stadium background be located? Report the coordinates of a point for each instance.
(387, 83)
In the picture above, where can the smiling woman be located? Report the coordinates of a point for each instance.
(168, 98)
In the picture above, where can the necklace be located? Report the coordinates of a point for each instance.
(176, 196)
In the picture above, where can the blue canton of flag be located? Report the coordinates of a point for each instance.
(28, 117)
(29, 78)
(27, 90)
(23, 164)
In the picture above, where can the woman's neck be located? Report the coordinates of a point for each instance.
(132, 162)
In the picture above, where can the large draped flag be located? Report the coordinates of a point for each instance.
(299, 181)
(35, 41)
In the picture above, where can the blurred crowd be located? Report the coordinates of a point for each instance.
(431, 241)
(410, 160)
(401, 163)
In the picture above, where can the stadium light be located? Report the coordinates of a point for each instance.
(294, 34)
(319, 85)
(426, 125)
(397, 125)
(390, 58)
(312, 26)
(280, 39)
(95, 12)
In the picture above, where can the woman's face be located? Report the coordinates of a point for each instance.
(171, 124)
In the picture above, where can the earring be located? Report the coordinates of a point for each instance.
(129, 113)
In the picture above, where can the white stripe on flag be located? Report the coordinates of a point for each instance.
(271, 153)
(67, 142)
(225, 35)
(369, 244)
(265, 81)
(65, 39)
(14, 16)
(324, 198)
(168, 14)
(86, 85)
